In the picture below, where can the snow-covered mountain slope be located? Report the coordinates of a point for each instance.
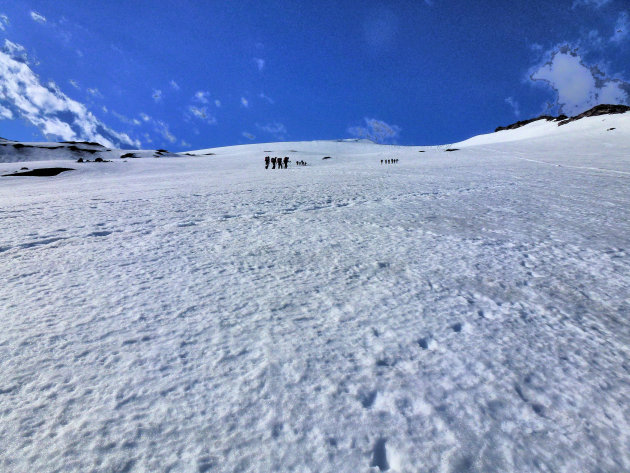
(596, 128)
(14, 151)
(457, 311)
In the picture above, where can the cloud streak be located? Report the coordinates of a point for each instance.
(47, 107)
(4, 22)
(375, 130)
(38, 18)
(275, 129)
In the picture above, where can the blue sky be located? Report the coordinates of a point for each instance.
(193, 74)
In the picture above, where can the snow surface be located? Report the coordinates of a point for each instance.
(457, 312)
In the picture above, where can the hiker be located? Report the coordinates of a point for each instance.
(266, 162)
(286, 162)
(273, 163)
(381, 161)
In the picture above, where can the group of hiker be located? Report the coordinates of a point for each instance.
(278, 161)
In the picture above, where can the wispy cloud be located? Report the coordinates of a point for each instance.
(126, 120)
(157, 95)
(74, 84)
(94, 92)
(514, 104)
(15, 51)
(5, 113)
(202, 96)
(244, 102)
(163, 130)
(174, 85)
(275, 129)
(217, 103)
(590, 3)
(48, 108)
(375, 130)
(622, 28)
(201, 113)
(144, 116)
(260, 63)
(267, 98)
(37, 17)
(249, 136)
(578, 85)
(4, 22)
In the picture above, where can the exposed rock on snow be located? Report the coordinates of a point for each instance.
(563, 119)
(597, 111)
(521, 123)
(40, 172)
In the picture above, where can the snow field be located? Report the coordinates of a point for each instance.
(455, 312)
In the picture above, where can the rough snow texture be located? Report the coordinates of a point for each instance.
(456, 312)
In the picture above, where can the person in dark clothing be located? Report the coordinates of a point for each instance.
(273, 163)
(266, 162)
(286, 162)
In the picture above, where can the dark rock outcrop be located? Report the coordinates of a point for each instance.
(41, 172)
(604, 109)
(516, 125)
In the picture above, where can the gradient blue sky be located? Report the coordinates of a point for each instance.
(183, 74)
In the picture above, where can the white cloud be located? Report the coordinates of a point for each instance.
(95, 93)
(260, 63)
(249, 136)
(217, 103)
(15, 51)
(202, 96)
(74, 84)
(174, 85)
(145, 117)
(622, 28)
(48, 108)
(5, 113)
(578, 86)
(277, 130)
(201, 113)
(514, 104)
(4, 22)
(244, 102)
(185, 144)
(590, 3)
(162, 129)
(37, 17)
(375, 130)
(267, 98)
(157, 95)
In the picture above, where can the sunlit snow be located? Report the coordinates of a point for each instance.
(458, 311)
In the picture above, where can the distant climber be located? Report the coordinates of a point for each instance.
(286, 162)
(266, 162)
(273, 163)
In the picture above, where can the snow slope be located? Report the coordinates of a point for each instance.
(459, 311)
